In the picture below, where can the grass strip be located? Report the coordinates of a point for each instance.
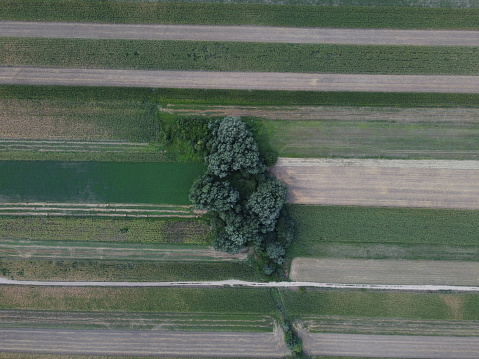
(140, 230)
(240, 14)
(175, 300)
(223, 56)
(10, 355)
(373, 139)
(134, 271)
(382, 304)
(383, 232)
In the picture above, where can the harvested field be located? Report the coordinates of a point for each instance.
(106, 229)
(353, 325)
(94, 209)
(91, 250)
(357, 271)
(391, 346)
(395, 183)
(136, 321)
(46, 145)
(145, 343)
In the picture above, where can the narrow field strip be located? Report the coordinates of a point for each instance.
(49, 250)
(396, 326)
(387, 183)
(7, 144)
(388, 271)
(136, 321)
(239, 34)
(239, 80)
(102, 209)
(390, 346)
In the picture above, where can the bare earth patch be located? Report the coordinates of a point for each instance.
(395, 183)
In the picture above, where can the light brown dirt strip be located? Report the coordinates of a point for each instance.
(240, 33)
(377, 271)
(395, 183)
(390, 346)
(343, 113)
(239, 80)
(158, 343)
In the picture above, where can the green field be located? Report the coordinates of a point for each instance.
(64, 269)
(240, 14)
(385, 139)
(396, 233)
(141, 230)
(237, 56)
(97, 182)
(382, 305)
(175, 300)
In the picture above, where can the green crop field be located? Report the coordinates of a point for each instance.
(237, 56)
(240, 14)
(97, 182)
(176, 300)
(370, 232)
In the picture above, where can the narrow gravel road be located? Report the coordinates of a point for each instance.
(240, 33)
(238, 80)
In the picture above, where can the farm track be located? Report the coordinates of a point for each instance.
(343, 113)
(387, 271)
(95, 251)
(158, 343)
(240, 34)
(390, 346)
(57, 145)
(238, 80)
(92, 209)
(393, 183)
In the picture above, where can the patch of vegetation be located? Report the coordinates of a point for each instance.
(141, 230)
(118, 271)
(239, 56)
(240, 14)
(340, 225)
(97, 182)
(245, 200)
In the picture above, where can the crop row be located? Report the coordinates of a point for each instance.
(240, 14)
(222, 56)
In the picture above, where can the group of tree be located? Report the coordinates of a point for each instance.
(245, 201)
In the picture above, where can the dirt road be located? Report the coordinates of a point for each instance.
(240, 33)
(158, 343)
(395, 183)
(390, 346)
(334, 270)
(238, 80)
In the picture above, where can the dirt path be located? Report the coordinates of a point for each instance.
(376, 271)
(343, 113)
(157, 343)
(240, 33)
(395, 183)
(390, 346)
(238, 80)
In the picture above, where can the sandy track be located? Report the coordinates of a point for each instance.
(332, 270)
(158, 343)
(395, 183)
(240, 33)
(239, 80)
(390, 346)
(343, 113)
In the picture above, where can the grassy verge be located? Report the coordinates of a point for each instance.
(358, 138)
(427, 306)
(119, 230)
(98, 182)
(111, 270)
(176, 300)
(223, 56)
(240, 14)
(369, 232)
